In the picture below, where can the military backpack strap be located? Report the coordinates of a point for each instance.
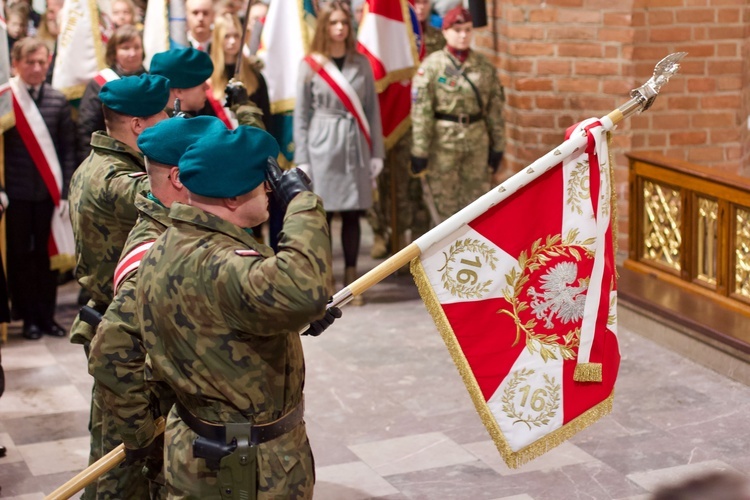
(130, 263)
(473, 87)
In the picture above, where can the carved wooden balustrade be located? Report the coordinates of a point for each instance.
(690, 225)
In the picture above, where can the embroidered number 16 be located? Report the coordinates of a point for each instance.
(537, 397)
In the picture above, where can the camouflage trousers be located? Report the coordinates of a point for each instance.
(409, 206)
(458, 174)
(122, 481)
(285, 466)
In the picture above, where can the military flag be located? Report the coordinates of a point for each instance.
(523, 291)
(284, 42)
(388, 36)
(164, 27)
(85, 27)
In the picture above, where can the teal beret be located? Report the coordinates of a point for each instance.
(185, 68)
(228, 163)
(143, 95)
(167, 141)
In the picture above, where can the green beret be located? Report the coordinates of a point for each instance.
(228, 163)
(185, 68)
(167, 141)
(143, 95)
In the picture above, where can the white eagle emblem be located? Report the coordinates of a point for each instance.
(558, 297)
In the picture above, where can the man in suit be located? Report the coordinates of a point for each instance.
(199, 15)
(33, 285)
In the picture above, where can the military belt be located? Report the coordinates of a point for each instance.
(259, 433)
(463, 118)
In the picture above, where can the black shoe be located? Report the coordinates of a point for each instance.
(3, 451)
(32, 332)
(55, 330)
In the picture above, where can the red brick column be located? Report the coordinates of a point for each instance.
(562, 61)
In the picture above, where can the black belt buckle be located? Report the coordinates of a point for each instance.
(464, 119)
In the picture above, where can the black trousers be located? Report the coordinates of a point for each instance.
(32, 285)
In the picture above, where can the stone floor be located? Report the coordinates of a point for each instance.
(389, 417)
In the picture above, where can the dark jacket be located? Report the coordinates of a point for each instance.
(22, 179)
(91, 116)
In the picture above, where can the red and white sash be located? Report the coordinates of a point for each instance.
(331, 74)
(35, 136)
(222, 113)
(106, 75)
(130, 262)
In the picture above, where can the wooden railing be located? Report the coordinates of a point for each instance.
(690, 225)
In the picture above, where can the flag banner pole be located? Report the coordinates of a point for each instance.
(98, 468)
(641, 99)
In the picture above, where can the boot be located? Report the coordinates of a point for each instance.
(350, 275)
(379, 247)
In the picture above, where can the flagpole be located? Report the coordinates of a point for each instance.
(641, 99)
(98, 468)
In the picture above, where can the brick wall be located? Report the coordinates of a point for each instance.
(565, 60)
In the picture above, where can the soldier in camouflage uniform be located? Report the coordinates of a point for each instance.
(102, 193)
(458, 128)
(220, 316)
(410, 208)
(117, 358)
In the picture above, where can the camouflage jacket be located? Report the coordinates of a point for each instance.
(439, 88)
(221, 314)
(102, 195)
(117, 358)
(433, 39)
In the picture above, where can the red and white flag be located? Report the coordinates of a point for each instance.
(387, 38)
(522, 287)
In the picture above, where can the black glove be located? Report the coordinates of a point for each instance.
(140, 455)
(318, 327)
(494, 159)
(236, 94)
(418, 166)
(286, 185)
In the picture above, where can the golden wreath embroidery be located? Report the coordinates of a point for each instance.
(463, 260)
(559, 297)
(541, 403)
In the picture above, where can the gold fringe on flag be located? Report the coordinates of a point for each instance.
(513, 459)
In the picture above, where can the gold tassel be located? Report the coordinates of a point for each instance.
(62, 262)
(588, 372)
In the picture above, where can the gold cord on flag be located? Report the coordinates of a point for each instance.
(513, 459)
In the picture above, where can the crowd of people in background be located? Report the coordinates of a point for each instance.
(344, 166)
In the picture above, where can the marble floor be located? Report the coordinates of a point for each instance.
(389, 417)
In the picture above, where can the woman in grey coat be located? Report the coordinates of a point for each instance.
(339, 141)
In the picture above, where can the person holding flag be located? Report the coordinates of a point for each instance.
(458, 127)
(39, 162)
(187, 71)
(337, 129)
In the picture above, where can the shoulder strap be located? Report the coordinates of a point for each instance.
(473, 87)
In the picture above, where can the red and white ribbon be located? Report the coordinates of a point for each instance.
(331, 74)
(130, 262)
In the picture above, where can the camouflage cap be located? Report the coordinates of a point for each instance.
(186, 68)
(227, 163)
(168, 140)
(143, 95)
(457, 15)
